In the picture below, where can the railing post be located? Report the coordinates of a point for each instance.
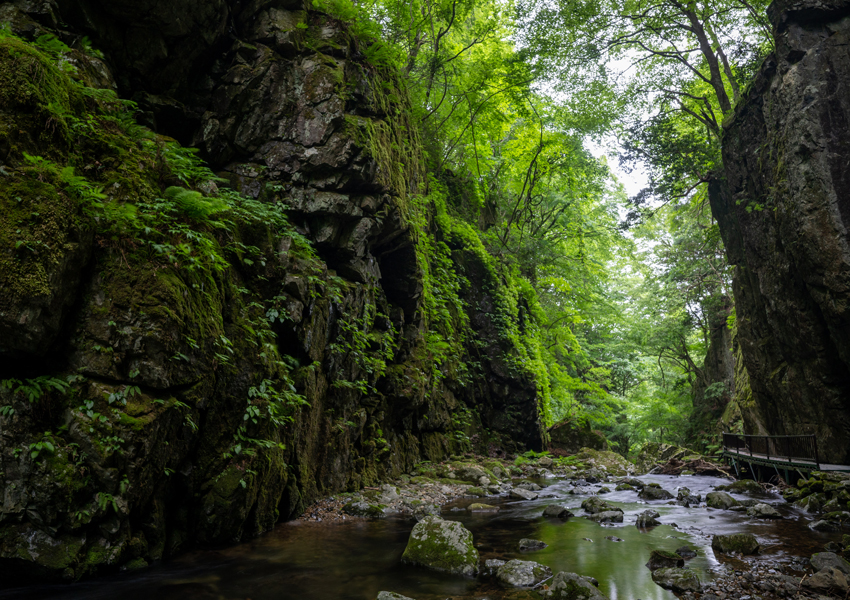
(787, 452)
(767, 447)
(817, 459)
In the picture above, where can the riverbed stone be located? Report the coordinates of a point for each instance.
(425, 510)
(595, 504)
(523, 494)
(822, 560)
(647, 519)
(391, 596)
(764, 511)
(522, 573)
(686, 552)
(824, 526)
(654, 493)
(527, 544)
(661, 559)
(570, 586)
(624, 487)
(556, 511)
(442, 546)
(720, 500)
(475, 491)
(480, 507)
(607, 516)
(677, 580)
(743, 543)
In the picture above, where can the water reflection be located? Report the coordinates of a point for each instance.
(357, 559)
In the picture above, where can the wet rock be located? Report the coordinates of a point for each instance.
(546, 462)
(822, 560)
(570, 586)
(623, 487)
(686, 552)
(491, 565)
(654, 493)
(661, 559)
(595, 504)
(613, 538)
(479, 507)
(741, 543)
(529, 486)
(827, 580)
(522, 573)
(720, 500)
(471, 474)
(647, 519)
(391, 596)
(635, 483)
(476, 491)
(556, 511)
(607, 516)
(442, 546)
(604, 490)
(521, 494)
(824, 526)
(677, 580)
(763, 511)
(527, 544)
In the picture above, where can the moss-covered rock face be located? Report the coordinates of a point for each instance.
(720, 500)
(188, 357)
(737, 543)
(442, 546)
(571, 439)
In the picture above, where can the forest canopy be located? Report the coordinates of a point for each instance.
(623, 295)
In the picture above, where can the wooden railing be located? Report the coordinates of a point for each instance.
(800, 448)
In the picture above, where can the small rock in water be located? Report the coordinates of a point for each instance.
(608, 516)
(660, 559)
(763, 511)
(613, 538)
(491, 565)
(647, 519)
(744, 543)
(522, 494)
(479, 507)
(654, 493)
(676, 579)
(556, 511)
(587, 540)
(526, 544)
(686, 552)
(567, 586)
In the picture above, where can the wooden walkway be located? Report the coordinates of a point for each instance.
(786, 452)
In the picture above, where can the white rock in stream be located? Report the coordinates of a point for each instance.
(522, 573)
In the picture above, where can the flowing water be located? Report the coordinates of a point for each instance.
(358, 558)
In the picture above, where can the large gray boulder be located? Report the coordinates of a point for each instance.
(607, 516)
(442, 546)
(647, 519)
(595, 504)
(823, 560)
(556, 511)
(720, 500)
(678, 580)
(522, 494)
(569, 586)
(522, 573)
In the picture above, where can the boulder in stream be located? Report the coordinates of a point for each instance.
(556, 511)
(522, 494)
(522, 573)
(763, 511)
(442, 546)
(479, 507)
(823, 525)
(660, 559)
(526, 544)
(654, 493)
(720, 500)
(595, 504)
(741, 543)
(424, 510)
(607, 516)
(686, 552)
(570, 586)
(647, 519)
(361, 508)
(624, 487)
(743, 485)
(676, 579)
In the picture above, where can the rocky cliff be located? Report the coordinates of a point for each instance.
(783, 205)
(190, 351)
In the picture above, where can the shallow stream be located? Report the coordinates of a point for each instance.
(358, 558)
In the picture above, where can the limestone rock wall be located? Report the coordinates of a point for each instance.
(153, 447)
(783, 205)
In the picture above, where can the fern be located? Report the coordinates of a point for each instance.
(194, 204)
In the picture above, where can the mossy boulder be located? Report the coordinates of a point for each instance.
(361, 508)
(822, 560)
(442, 546)
(479, 507)
(606, 461)
(624, 487)
(607, 516)
(764, 511)
(556, 511)
(737, 543)
(677, 580)
(475, 491)
(595, 504)
(647, 518)
(570, 586)
(720, 500)
(571, 438)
